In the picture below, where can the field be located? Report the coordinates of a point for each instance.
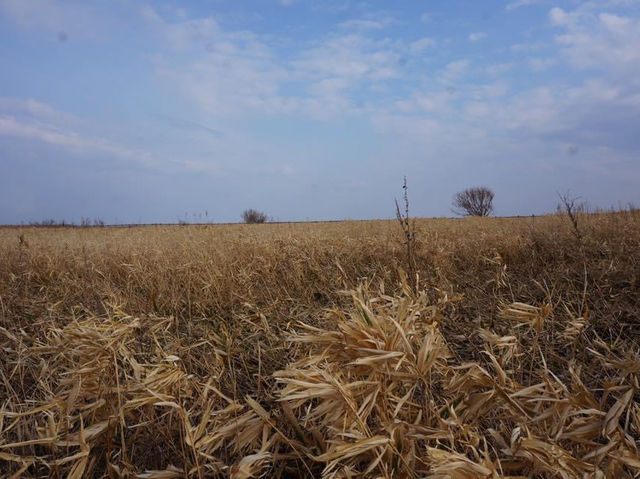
(302, 350)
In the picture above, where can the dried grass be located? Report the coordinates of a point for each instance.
(301, 351)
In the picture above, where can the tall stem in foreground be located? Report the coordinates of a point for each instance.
(408, 227)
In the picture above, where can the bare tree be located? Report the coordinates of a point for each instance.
(477, 201)
(254, 216)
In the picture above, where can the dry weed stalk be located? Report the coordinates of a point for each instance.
(408, 227)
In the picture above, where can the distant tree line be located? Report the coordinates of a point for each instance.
(84, 223)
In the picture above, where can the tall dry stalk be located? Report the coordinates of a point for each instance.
(408, 227)
(571, 207)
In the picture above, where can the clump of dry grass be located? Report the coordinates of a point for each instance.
(388, 399)
(236, 352)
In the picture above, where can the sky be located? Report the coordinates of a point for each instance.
(165, 111)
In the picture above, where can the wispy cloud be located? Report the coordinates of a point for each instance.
(11, 126)
(234, 72)
(604, 41)
(541, 64)
(520, 3)
(367, 24)
(349, 56)
(421, 44)
(453, 71)
(52, 16)
(499, 69)
(37, 121)
(226, 72)
(190, 125)
(33, 108)
(477, 36)
(527, 47)
(433, 102)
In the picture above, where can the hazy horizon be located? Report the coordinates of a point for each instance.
(136, 111)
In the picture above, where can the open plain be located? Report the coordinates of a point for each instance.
(302, 350)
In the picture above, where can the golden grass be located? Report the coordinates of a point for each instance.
(299, 350)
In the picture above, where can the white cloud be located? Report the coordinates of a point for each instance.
(421, 44)
(370, 22)
(520, 3)
(498, 69)
(31, 119)
(226, 72)
(362, 25)
(559, 17)
(13, 127)
(602, 41)
(594, 114)
(490, 90)
(453, 71)
(477, 109)
(434, 102)
(443, 103)
(354, 58)
(329, 87)
(229, 72)
(477, 36)
(33, 108)
(541, 64)
(527, 47)
(425, 130)
(51, 16)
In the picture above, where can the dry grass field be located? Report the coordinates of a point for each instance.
(300, 350)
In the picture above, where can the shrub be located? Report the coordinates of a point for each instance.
(254, 216)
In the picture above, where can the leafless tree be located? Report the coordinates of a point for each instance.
(477, 201)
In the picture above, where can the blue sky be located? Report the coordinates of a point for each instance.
(160, 111)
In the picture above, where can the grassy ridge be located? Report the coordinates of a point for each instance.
(299, 350)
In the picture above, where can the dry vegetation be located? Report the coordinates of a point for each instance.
(301, 351)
